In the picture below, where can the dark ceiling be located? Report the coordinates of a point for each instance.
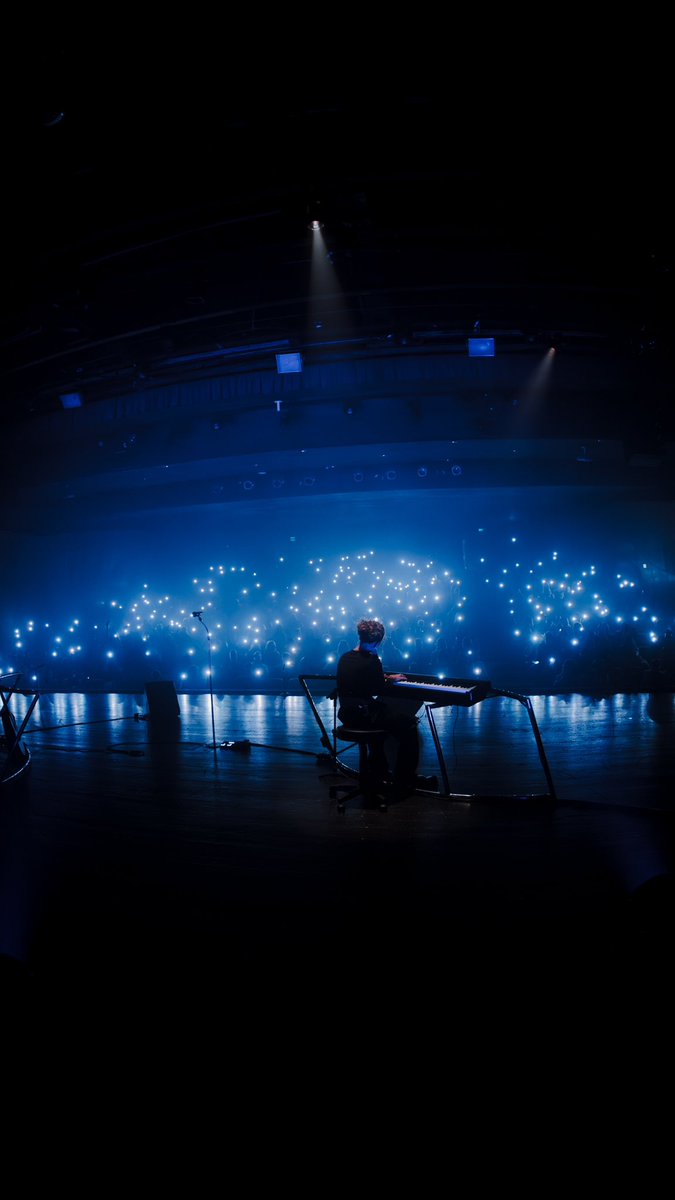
(157, 204)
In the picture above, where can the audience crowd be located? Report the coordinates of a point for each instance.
(537, 627)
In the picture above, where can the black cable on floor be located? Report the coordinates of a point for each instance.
(71, 724)
(245, 745)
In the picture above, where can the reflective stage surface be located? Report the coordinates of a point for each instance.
(140, 852)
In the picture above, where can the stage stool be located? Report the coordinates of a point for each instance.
(366, 787)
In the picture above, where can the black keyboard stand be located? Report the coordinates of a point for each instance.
(329, 740)
(524, 700)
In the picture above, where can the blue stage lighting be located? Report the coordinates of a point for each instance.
(289, 364)
(481, 347)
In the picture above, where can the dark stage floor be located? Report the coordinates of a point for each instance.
(138, 855)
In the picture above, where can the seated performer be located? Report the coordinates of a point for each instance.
(366, 702)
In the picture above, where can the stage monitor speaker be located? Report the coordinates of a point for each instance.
(162, 700)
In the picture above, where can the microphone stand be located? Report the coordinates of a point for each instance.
(198, 615)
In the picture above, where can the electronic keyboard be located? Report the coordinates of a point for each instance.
(464, 692)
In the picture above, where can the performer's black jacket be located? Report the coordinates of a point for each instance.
(360, 679)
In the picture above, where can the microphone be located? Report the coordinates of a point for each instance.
(198, 614)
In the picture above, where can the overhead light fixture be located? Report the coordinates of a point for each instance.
(481, 347)
(289, 364)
